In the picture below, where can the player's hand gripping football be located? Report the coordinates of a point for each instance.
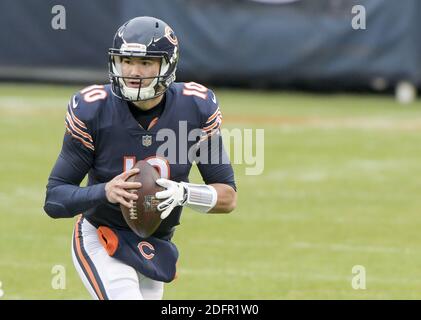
(174, 194)
(116, 190)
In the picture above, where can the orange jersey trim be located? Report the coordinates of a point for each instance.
(80, 123)
(73, 126)
(214, 115)
(86, 144)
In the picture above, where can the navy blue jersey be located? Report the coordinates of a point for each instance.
(103, 139)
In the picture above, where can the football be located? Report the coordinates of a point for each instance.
(143, 217)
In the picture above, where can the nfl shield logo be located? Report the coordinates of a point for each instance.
(146, 141)
(150, 203)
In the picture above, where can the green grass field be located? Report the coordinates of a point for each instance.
(340, 188)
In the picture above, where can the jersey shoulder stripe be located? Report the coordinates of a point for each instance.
(82, 109)
(77, 129)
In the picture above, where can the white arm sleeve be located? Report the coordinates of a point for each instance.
(200, 197)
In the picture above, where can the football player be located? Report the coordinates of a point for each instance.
(111, 127)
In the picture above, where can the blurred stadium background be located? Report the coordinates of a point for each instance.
(342, 143)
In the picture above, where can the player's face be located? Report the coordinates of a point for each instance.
(141, 68)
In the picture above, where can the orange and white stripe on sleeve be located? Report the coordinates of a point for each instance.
(212, 125)
(78, 130)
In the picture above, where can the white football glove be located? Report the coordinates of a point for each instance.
(199, 197)
(175, 195)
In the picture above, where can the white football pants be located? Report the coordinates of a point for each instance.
(105, 277)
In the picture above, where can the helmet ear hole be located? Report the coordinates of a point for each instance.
(117, 64)
(164, 67)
